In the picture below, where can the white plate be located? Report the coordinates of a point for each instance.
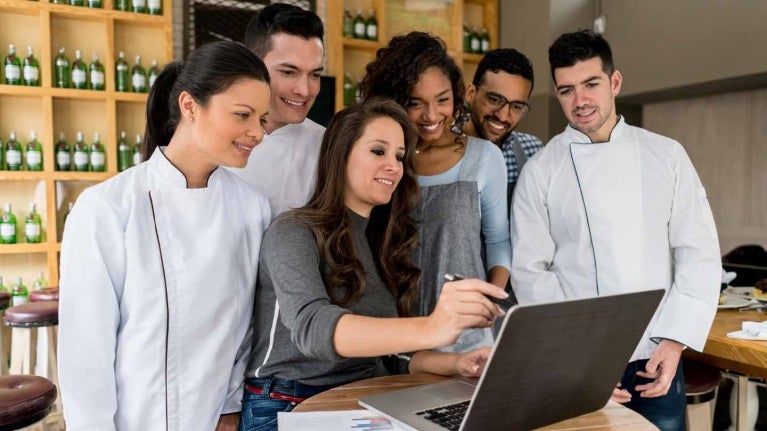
(733, 301)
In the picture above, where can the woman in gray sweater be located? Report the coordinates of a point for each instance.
(336, 287)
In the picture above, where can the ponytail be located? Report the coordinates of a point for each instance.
(160, 121)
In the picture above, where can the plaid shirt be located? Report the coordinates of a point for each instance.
(530, 145)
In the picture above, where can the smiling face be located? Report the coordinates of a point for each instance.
(374, 167)
(295, 66)
(587, 95)
(489, 122)
(430, 106)
(231, 124)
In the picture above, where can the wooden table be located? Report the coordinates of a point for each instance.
(611, 417)
(743, 356)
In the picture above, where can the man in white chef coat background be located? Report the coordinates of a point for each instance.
(608, 208)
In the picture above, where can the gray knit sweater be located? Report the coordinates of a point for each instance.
(294, 319)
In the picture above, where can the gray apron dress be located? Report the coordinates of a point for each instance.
(450, 240)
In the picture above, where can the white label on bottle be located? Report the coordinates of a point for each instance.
(139, 81)
(485, 45)
(34, 158)
(137, 4)
(153, 4)
(19, 300)
(12, 72)
(31, 73)
(81, 158)
(97, 77)
(136, 158)
(97, 160)
(372, 31)
(359, 29)
(62, 62)
(13, 157)
(78, 77)
(32, 230)
(122, 67)
(63, 158)
(7, 230)
(152, 79)
(475, 45)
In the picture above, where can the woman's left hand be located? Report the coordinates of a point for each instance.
(472, 363)
(228, 422)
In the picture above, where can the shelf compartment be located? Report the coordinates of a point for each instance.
(66, 192)
(22, 29)
(129, 36)
(433, 16)
(26, 263)
(87, 116)
(132, 119)
(16, 113)
(20, 194)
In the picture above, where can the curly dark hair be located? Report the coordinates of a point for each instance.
(398, 66)
(392, 232)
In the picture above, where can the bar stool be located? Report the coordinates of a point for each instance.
(701, 384)
(25, 400)
(47, 294)
(5, 300)
(24, 319)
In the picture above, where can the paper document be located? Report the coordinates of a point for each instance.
(345, 420)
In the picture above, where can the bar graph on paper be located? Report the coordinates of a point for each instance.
(369, 423)
(349, 420)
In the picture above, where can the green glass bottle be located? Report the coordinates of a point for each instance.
(137, 151)
(98, 159)
(61, 69)
(12, 67)
(40, 282)
(474, 41)
(371, 26)
(154, 7)
(153, 73)
(124, 154)
(81, 156)
(77, 2)
(359, 25)
(122, 73)
(96, 4)
(138, 6)
(79, 72)
(63, 154)
(13, 160)
(19, 294)
(97, 74)
(8, 226)
(33, 226)
(122, 5)
(34, 153)
(138, 77)
(348, 24)
(466, 38)
(348, 90)
(31, 69)
(484, 42)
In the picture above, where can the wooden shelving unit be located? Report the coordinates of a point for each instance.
(444, 18)
(47, 110)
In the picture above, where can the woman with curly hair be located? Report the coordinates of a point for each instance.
(336, 286)
(463, 215)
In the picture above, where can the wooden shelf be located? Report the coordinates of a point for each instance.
(362, 44)
(26, 248)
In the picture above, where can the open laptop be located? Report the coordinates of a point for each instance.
(551, 362)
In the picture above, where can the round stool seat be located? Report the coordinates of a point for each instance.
(700, 381)
(33, 314)
(47, 294)
(24, 400)
(5, 299)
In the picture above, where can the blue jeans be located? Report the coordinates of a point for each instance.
(666, 412)
(259, 411)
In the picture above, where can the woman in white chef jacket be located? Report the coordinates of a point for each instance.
(158, 264)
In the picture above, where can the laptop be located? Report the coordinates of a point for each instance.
(551, 362)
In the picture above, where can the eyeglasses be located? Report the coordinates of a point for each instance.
(495, 102)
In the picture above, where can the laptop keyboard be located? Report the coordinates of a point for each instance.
(449, 416)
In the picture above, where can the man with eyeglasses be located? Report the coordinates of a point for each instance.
(498, 97)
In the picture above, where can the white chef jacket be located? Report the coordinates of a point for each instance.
(622, 216)
(284, 165)
(156, 297)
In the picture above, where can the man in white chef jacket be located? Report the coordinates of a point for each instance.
(608, 208)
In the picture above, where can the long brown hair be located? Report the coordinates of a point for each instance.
(392, 233)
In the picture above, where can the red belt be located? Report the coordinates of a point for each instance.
(275, 395)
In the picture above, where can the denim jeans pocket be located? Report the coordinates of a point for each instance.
(259, 413)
